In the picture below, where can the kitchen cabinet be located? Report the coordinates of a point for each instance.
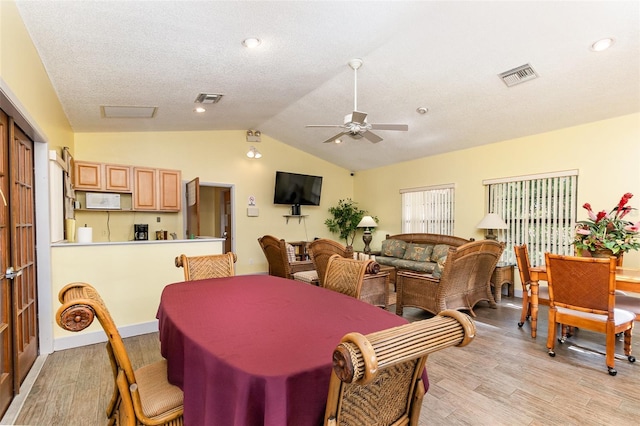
(156, 189)
(89, 176)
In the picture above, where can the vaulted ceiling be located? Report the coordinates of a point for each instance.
(443, 56)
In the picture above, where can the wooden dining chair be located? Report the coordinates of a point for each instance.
(377, 378)
(522, 259)
(582, 295)
(208, 266)
(322, 249)
(143, 396)
(280, 264)
(347, 275)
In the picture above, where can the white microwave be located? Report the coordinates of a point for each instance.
(97, 200)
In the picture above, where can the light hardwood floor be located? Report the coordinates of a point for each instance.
(504, 377)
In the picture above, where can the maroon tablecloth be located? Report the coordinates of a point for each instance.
(257, 349)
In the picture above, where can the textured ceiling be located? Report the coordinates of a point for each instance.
(445, 56)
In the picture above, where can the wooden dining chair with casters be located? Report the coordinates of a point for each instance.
(143, 396)
(347, 275)
(522, 259)
(322, 249)
(279, 260)
(378, 378)
(208, 266)
(582, 295)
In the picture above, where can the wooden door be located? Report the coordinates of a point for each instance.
(6, 326)
(145, 194)
(23, 253)
(117, 178)
(227, 219)
(193, 208)
(170, 196)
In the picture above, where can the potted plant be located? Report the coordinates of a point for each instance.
(607, 234)
(345, 218)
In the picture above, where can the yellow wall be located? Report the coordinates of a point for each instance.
(606, 153)
(220, 157)
(23, 72)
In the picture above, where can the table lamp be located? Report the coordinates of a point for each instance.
(490, 222)
(367, 223)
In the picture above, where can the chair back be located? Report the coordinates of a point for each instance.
(81, 303)
(522, 259)
(584, 284)
(469, 267)
(346, 275)
(275, 251)
(321, 250)
(377, 378)
(208, 266)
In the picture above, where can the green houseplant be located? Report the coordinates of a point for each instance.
(345, 218)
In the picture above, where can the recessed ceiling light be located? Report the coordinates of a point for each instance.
(251, 42)
(199, 110)
(422, 110)
(338, 141)
(603, 44)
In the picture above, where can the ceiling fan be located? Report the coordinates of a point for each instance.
(355, 124)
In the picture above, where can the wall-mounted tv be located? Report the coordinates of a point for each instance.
(297, 189)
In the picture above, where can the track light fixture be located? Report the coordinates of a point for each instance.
(253, 153)
(253, 136)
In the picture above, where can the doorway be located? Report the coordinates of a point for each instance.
(210, 212)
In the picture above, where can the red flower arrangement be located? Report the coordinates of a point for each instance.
(608, 230)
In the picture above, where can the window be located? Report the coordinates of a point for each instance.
(539, 210)
(429, 209)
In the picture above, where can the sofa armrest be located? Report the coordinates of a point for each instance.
(422, 276)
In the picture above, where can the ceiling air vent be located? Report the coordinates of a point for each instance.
(518, 75)
(208, 98)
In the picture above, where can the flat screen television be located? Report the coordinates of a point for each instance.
(297, 189)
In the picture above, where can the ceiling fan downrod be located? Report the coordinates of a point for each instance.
(355, 64)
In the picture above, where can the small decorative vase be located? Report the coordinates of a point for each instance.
(603, 253)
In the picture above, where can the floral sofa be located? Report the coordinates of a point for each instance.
(416, 252)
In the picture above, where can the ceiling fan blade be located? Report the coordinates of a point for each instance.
(371, 137)
(324, 125)
(401, 127)
(333, 138)
(358, 117)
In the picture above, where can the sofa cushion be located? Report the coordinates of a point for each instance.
(437, 271)
(439, 250)
(418, 252)
(393, 248)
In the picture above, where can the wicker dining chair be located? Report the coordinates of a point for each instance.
(582, 295)
(143, 396)
(347, 275)
(322, 249)
(377, 378)
(275, 250)
(208, 266)
(522, 259)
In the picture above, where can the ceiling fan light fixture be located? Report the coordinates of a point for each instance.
(199, 110)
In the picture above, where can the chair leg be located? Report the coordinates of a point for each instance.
(627, 346)
(551, 337)
(526, 309)
(610, 353)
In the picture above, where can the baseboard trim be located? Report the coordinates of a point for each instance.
(91, 338)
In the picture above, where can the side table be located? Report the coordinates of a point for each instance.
(503, 274)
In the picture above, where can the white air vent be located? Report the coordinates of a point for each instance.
(518, 75)
(208, 98)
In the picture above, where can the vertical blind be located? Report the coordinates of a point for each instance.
(539, 211)
(429, 209)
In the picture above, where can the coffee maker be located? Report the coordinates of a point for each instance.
(140, 232)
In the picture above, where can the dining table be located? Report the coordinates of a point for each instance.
(257, 349)
(627, 279)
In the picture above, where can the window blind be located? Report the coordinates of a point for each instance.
(428, 210)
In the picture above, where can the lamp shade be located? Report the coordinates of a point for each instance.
(367, 222)
(492, 221)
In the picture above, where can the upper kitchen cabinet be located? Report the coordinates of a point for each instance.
(156, 189)
(88, 176)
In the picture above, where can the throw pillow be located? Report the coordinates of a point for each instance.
(437, 270)
(438, 251)
(418, 252)
(394, 248)
(291, 253)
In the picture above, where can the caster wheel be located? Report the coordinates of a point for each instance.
(632, 358)
(561, 341)
(552, 354)
(612, 371)
(520, 324)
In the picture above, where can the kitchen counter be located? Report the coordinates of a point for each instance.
(111, 243)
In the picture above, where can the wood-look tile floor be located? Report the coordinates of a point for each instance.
(504, 377)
